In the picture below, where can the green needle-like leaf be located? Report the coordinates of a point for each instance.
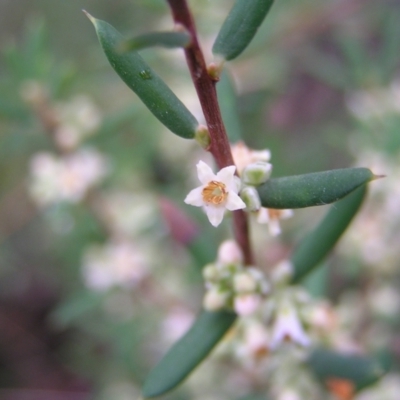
(361, 371)
(314, 247)
(240, 27)
(162, 39)
(229, 110)
(150, 88)
(313, 189)
(188, 352)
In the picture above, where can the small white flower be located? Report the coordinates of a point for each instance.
(271, 217)
(216, 193)
(287, 326)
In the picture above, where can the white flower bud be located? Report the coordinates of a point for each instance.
(211, 273)
(229, 253)
(244, 282)
(251, 198)
(246, 304)
(256, 173)
(215, 300)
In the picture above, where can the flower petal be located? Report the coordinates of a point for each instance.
(195, 197)
(234, 202)
(215, 214)
(288, 326)
(205, 173)
(263, 216)
(226, 175)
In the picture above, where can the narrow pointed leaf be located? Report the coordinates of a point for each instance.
(313, 189)
(150, 88)
(161, 39)
(361, 371)
(229, 110)
(315, 247)
(240, 27)
(188, 352)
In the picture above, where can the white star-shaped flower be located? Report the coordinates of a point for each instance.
(288, 327)
(216, 193)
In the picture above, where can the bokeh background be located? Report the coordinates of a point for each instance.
(319, 86)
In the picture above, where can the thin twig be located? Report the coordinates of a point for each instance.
(206, 91)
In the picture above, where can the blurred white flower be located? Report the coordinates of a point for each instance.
(385, 300)
(254, 344)
(271, 217)
(128, 213)
(243, 156)
(217, 192)
(113, 264)
(68, 178)
(374, 103)
(289, 394)
(287, 327)
(77, 119)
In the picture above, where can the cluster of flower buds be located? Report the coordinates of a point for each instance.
(231, 285)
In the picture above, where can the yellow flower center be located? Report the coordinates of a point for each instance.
(215, 193)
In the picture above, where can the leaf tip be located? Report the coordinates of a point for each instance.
(374, 177)
(92, 19)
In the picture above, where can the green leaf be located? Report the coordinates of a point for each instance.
(360, 370)
(313, 189)
(240, 27)
(188, 352)
(228, 104)
(314, 247)
(150, 88)
(163, 39)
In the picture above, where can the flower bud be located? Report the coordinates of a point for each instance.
(244, 283)
(202, 136)
(256, 173)
(229, 253)
(246, 304)
(211, 273)
(251, 198)
(215, 300)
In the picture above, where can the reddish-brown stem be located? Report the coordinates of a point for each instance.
(206, 91)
